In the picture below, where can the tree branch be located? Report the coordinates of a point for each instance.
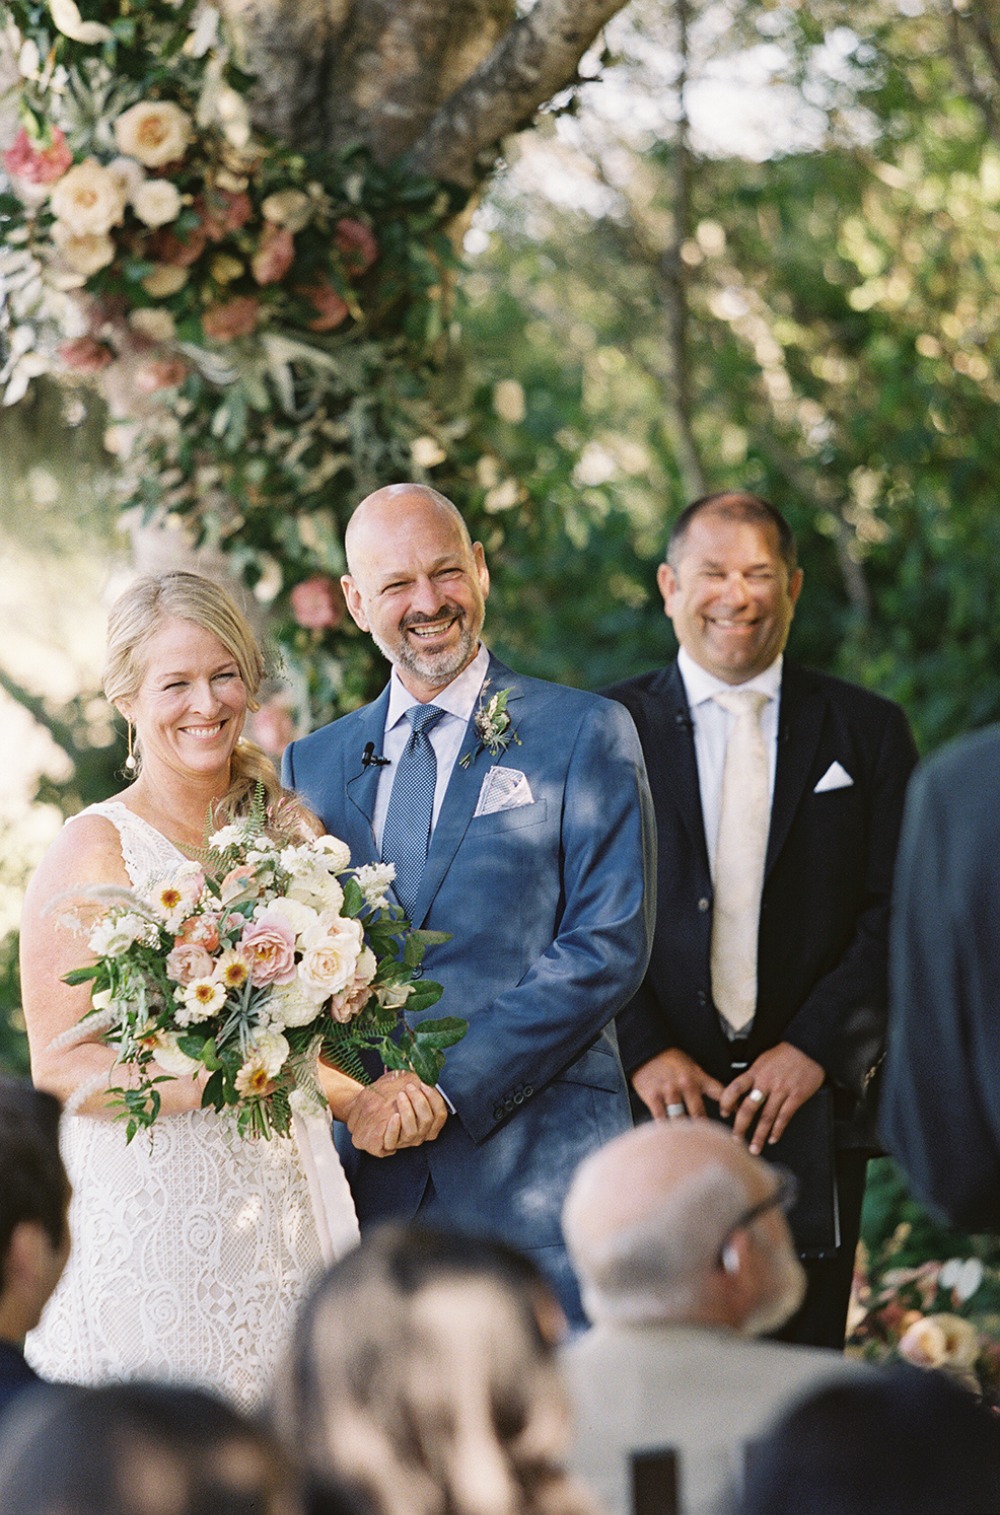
(535, 59)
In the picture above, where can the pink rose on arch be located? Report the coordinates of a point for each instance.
(160, 373)
(274, 256)
(356, 245)
(268, 948)
(231, 319)
(317, 603)
(222, 211)
(35, 163)
(175, 250)
(188, 961)
(272, 726)
(331, 309)
(86, 355)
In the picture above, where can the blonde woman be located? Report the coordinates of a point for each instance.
(191, 1250)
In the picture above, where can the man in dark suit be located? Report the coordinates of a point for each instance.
(34, 1234)
(767, 981)
(940, 1112)
(536, 857)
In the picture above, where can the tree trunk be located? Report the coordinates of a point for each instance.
(441, 80)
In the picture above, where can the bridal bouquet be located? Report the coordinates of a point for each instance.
(250, 964)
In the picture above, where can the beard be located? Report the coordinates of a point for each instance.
(434, 667)
(786, 1291)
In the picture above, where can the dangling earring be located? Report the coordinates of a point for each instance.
(130, 761)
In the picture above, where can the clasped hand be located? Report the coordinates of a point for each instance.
(786, 1078)
(780, 1081)
(394, 1112)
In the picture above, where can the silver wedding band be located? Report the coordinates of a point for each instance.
(756, 1096)
(675, 1110)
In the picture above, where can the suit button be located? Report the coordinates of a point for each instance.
(508, 1106)
(519, 1098)
(498, 1112)
(703, 904)
(702, 997)
(528, 1091)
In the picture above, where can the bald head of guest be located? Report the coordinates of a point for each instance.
(679, 1223)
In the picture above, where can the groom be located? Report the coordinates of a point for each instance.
(530, 804)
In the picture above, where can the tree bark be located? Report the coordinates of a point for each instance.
(440, 80)
(535, 59)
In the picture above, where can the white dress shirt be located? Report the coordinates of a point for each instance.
(711, 732)
(457, 700)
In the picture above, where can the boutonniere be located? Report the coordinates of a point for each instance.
(492, 725)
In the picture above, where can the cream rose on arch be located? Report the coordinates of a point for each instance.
(156, 202)
(88, 200)
(154, 131)
(84, 255)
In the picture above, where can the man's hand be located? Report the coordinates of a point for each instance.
(786, 1078)
(396, 1111)
(672, 1084)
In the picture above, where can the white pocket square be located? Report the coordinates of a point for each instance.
(835, 777)
(503, 789)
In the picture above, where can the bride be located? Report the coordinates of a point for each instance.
(192, 1247)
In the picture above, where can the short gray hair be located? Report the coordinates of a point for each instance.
(656, 1268)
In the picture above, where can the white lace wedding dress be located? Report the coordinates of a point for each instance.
(193, 1250)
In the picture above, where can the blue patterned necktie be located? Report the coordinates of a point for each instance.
(407, 829)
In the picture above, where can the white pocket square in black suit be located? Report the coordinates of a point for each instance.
(835, 777)
(503, 789)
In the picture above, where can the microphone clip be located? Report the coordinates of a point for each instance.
(372, 759)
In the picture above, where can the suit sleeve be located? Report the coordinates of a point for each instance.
(531, 1032)
(842, 1022)
(940, 1111)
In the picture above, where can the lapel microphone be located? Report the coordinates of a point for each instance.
(372, 759)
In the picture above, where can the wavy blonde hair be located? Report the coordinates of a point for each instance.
(134, 619)
(423, 1373)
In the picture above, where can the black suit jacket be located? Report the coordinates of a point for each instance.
(941, 1106)
(15, 1375)
(824, 923)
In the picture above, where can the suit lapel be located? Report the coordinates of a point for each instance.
(800, 723)
(460, 798)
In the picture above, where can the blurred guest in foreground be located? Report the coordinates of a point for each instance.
(897, 1442)
(423, 1372)
(34, 1234)
(940, 1112)
(138, 1449)
(684, 1256)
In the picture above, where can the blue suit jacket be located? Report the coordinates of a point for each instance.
(550, 909)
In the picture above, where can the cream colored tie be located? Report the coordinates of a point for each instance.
(744, 819)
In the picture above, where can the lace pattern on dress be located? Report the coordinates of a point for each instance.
(192, 1248)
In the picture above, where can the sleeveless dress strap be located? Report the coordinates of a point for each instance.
(146, 853)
